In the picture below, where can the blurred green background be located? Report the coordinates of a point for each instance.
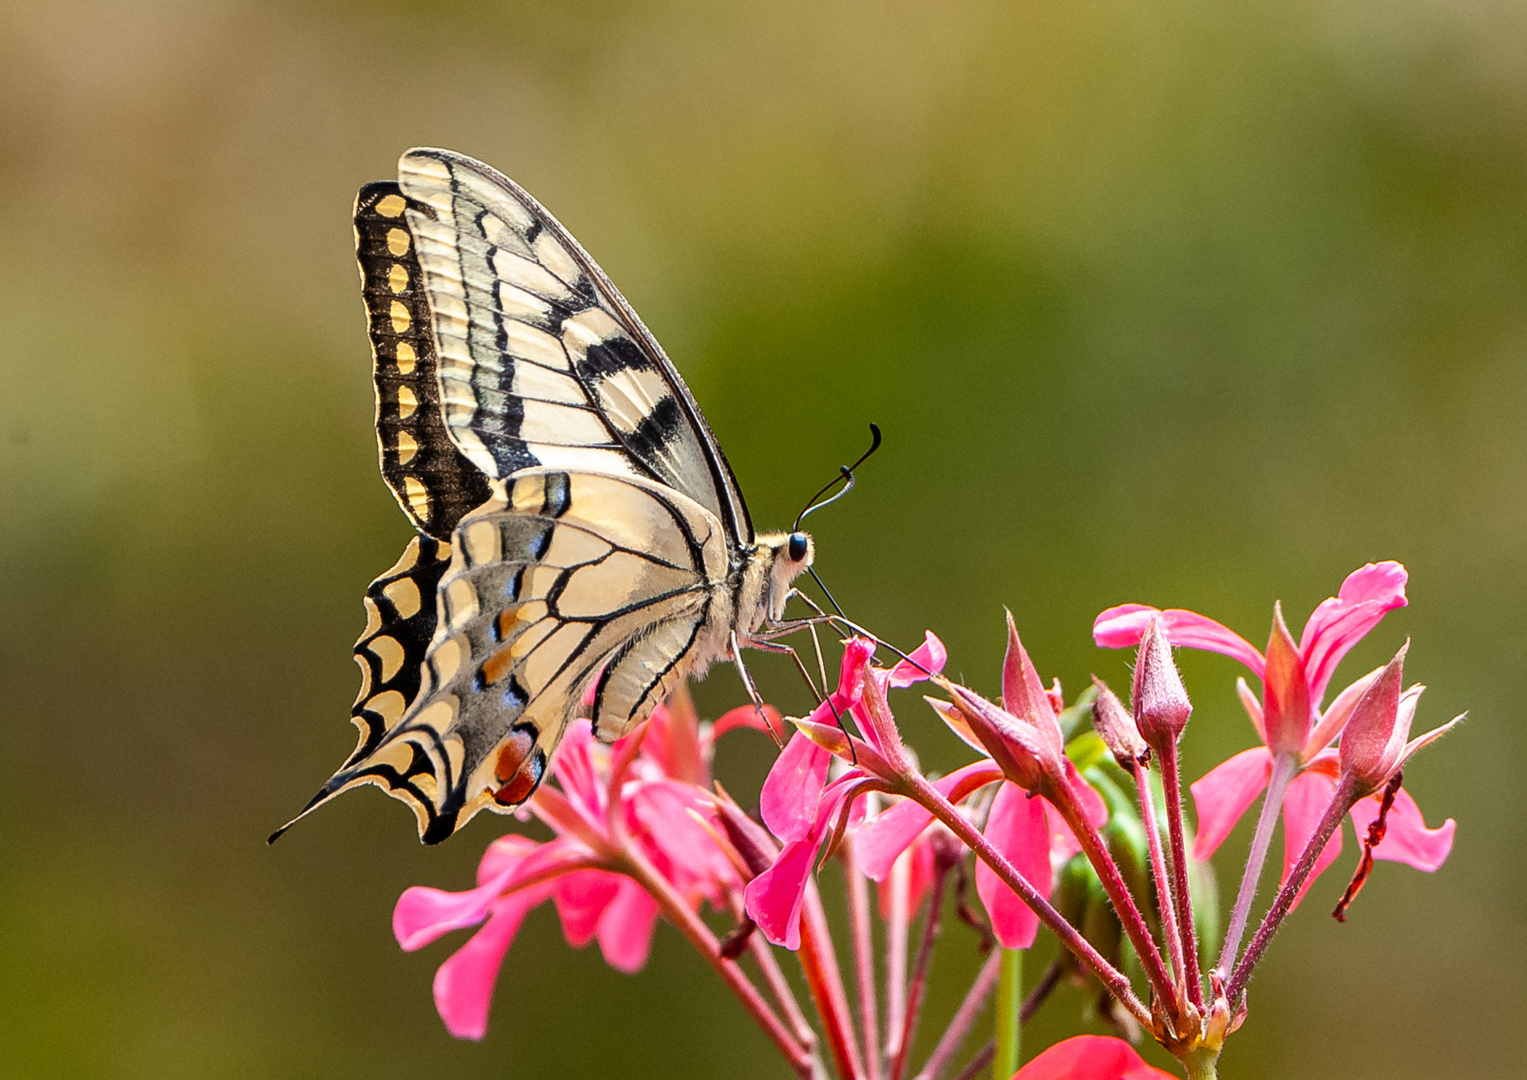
(1197, 305)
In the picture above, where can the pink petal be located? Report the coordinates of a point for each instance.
(774, 897)
(1063, 842)
(464, 984)
(1408, 840)
(576, 771)
(877, 845)
(929, 656)
(919, 878)
(423, 914)
(793, 788)
(503, 853)
(662, 807)
(1016, 827)
(1092, 803)
(1304, 804)
(1090, 1057)
(1125, 625)
(1224, 793)
(581, 898)
(625, 931)
(746, 716)
(1341, 621)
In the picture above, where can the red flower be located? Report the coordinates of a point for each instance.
(1090, 1057)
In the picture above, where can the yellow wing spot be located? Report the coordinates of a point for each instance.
(460, 602)
(400, 318)
(397, 277)
(481, 541)
(528, 494)
(404, 594)
(391, 206)
(397, 242)
(389, 705)
(407, 358)
(407, 402)
(408, 446)
(389, 652)
(417, 495)
(446, 660)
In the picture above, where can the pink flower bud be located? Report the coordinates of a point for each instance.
(1286, 715)
(1374, 744)
(1161, 702)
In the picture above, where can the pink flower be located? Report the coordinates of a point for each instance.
(1026, 742)
(798, 803)
(1289, 717)
(649, 787)
(1090, 1057)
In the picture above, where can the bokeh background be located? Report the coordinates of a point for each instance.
(1192, 304)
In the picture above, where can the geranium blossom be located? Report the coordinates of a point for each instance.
(1090, 1057)
(1290, 719)
(653, 795)
(798, 803)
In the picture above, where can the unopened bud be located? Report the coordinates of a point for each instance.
(1117, 728)
(1161, 702)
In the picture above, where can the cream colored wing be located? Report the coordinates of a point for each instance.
(559, 578)
(541, 362)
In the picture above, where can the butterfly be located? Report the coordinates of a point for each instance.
(580, 533)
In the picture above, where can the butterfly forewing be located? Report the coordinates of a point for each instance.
(542, 362)
(432, 479)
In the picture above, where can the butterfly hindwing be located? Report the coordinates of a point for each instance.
(557, 580)
(433, 481)
(542, 361)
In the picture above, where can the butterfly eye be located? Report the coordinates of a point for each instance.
(797, 547)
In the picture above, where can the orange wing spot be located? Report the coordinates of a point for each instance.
(520, 766)
(497, 666)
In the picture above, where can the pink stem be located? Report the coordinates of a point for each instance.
(919, 984)
(1284, 767)
(1115, 981)
(896, 931)
(864, 959)
(819, 963)
(1124, 906)
(1341, 802)
(692, 927)
(1182, 898)
(779, 986)
(1169, 928)
(964, 1017)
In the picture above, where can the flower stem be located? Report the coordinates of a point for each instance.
(1201, 1064)
(689, 923)
(978, 1064)
(1341, 802)
(1123, 900)
(864, 960)
(1159, 875)
(1113, 979)
(819, 963)
(1182, 898)
(1006, 1014)
(919, 985)
(779, 986)
(964, 1017)
(896, 931)
(1284, 766)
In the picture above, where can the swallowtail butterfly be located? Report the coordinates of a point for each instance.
(579, 528)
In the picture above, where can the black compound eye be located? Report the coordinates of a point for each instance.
(797, 547)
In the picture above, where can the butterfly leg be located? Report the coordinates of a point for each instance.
(752, 689)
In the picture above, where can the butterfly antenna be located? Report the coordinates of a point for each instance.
(845, 477)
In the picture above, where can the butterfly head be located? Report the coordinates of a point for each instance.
(787, 555)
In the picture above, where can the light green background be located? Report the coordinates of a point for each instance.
(1187, 303)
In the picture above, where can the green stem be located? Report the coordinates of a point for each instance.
(1009, 1002)
(1201, 1064)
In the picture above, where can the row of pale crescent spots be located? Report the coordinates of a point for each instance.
(407, 447)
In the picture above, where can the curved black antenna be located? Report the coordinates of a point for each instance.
(846, 477)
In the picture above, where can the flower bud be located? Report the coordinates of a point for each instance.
(1117, 728)
(1161, 702)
